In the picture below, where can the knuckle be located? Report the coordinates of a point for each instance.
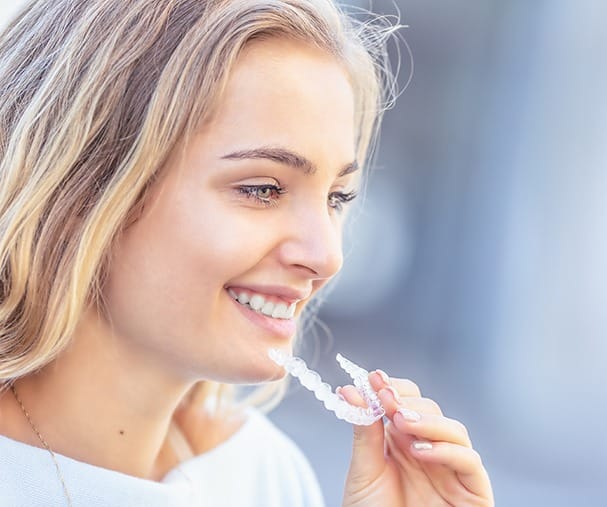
(432, 406)
(406, 387)
(461, 428)
(475, 458)
(453, 489)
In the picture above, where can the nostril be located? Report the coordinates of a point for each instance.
(313, 246)
(308, 269)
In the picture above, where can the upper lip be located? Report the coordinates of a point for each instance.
(289, 294)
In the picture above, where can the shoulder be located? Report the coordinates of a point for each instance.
(268, 466)
(11, 468)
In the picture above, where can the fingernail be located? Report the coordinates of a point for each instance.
(393, 393)
(338, 392)
(384, 376)
(422, 445)
(409, 415)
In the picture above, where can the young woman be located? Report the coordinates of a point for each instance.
(164, 162)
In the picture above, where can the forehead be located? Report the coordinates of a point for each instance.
(287, 93)
(291, 61)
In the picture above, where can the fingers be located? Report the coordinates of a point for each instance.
(440, 445)
(431, 427)
(368, 459)
(422, 430)
(352, 396)
(404, 391)
(412, 415)
(421, 417)
(464, 461)
(405, 387)
(421, 405)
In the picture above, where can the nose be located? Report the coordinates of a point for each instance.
(313, 244)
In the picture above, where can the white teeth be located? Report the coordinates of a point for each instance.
(259, 304)
(291, 311)
(256, 302)
(280, 310)
(267, 309)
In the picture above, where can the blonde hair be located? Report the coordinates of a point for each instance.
(93, 96)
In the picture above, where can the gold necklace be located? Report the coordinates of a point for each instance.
(46, 446)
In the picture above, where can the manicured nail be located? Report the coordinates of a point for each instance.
(422, 445)
(393, 393)
(409, 415)
(384, 376)
(338, 392)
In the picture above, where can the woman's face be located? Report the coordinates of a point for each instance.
(252, 207)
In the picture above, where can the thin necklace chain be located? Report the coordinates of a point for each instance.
(46, 446)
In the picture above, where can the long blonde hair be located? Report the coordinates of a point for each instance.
(93, 96)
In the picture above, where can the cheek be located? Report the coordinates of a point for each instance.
(170, 267)
(216, 243)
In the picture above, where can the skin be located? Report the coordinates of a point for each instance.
(168, 320)
(388, 470)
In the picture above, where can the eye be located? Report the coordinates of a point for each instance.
(338, 199)
(267, 194)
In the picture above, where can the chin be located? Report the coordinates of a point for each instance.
(259, 373)
(244, 370)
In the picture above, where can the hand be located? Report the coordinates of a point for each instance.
(419, 459)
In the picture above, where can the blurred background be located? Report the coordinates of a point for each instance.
(478, 264)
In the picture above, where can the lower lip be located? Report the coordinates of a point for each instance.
(284, 328)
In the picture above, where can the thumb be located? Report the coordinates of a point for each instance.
(368, 460)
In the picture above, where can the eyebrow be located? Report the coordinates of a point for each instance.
(286, 157)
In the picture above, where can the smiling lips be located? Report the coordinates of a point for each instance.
(262, 304)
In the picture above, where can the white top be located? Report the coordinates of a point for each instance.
(258, 466)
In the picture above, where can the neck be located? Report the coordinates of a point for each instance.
(103, 402)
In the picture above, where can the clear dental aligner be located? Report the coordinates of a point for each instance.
(324, 392)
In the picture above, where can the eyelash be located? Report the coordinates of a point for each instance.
(252, 192)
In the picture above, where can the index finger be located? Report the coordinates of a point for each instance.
(405, 387)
